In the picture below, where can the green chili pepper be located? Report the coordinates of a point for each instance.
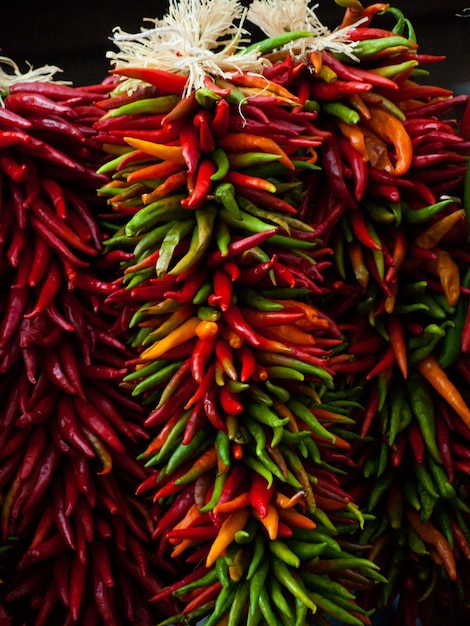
(156, 378)
(282, 394)
(441, 480)
(292, 242)
(220, 158)
(420, 216)
(219, 483)
(263, 414)
(200, 241)
(301, 611)
(331, 607)
(451, 344)
(248, 534)
(384, 213)
(239, 604)
(257, 581)
(203, 293)
(370, 47)
(152, 238)
(160, 104)
(221, 567)
(222, 605)
(245, 221)
(222, 445)
(380, 487)
(208, 579)
(278, 598)
(259, 467)
(433, 335)
(425, 481)
(224, 194)
(259, 302)
(390, 71)
(184, 452)
(272, 43)
(174, 438)
(282, 551)
(342, 111)
(155, 212)
(422, 405)
(147, 370)
(167, 248)
(306, 415)
(206, 97)
(270, 216)
(293, 583)
(112, 164)
(266, 608)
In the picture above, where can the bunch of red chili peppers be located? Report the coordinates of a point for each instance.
(74, 538)
(244, 361)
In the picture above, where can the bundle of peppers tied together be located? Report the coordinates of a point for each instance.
(234, 351)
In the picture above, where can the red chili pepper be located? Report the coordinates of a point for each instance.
(203, 121)
(97, 423)
(202, 186)
(55, 242)
(49, 290)
(260, 494)
(224, 354)
(43, 473)
(332, 163)
(222, 296)
(180, 398)
(166, 81)
(359, 167)
(230, 402)
(220, 121)
(210, 407)
(189, 138)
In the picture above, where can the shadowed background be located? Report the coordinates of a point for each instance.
(75, 35)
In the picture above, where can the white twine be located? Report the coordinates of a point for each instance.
(15, 75)
(195, 38)
(277, 17)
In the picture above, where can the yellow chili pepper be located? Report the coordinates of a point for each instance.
(159, 150)
(235, 521)
(180, 335)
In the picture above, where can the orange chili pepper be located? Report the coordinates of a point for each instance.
(431, 237)
(270, 521)
(293, 518)
(171, 183)
(430, 369)
(355, 134)
(156, 170)
(292, 333)
(391, 129)
(238, 142)
(238, 502)
(261, 82)
(358, 263)
(449, 275)
(431, 535)
(235, 521)
(207, 329)
(184, 332)
(159, 150)
(377, 152)
(397, 341)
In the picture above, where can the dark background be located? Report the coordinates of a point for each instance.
(74, 35)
